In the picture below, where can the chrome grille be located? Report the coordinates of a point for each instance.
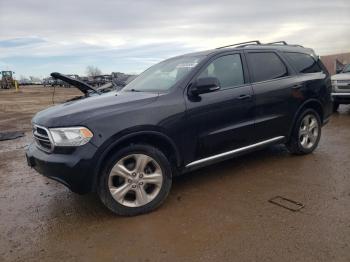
(42, 138)
(344, 87)
(343, 81)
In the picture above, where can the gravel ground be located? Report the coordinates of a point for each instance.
(219, 213)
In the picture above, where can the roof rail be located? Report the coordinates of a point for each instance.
(277, 42)
(283, 43)
(257, 42)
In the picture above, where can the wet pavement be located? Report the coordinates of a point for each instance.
(219, 213)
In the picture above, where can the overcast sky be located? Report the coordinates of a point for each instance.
(40, 36)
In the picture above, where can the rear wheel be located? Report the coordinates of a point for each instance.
(306, 133)
(135, 180)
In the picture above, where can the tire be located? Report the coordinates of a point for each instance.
(305, 137)
(130, 183)
(335, 106)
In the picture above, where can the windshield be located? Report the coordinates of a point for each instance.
(6, 73)
(346, 69)
(162, 76)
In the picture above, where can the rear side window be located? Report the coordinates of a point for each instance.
(266, 66)
(303, 63)
(228, 69)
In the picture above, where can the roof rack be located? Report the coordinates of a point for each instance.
(277, 43)
(257, 42)
(283, 43)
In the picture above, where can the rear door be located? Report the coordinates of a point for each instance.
(274, 84)
(315, 78)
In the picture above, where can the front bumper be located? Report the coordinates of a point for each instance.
(75, 170)
(341, 98)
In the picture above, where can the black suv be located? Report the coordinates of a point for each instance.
(181, 114)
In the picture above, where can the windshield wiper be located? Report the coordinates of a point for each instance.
(133, 90)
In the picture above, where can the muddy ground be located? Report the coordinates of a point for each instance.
(219, 213)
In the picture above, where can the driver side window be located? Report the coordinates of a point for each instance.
(227, 69)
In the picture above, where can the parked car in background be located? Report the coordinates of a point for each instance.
(100, 80)
(179, 115)
(341, 88)
(25, 82)
(120, 79)
(51, 82)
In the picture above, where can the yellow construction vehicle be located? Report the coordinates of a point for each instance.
(7, 80)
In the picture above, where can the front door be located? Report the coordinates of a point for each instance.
(222, 120)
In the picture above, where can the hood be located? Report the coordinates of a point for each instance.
(75, 112)
(82, 86)
(342, 76)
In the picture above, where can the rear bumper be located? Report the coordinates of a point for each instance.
(75, 170)
(341, 98)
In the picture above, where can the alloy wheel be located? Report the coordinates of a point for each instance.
(308, 131)
(135, 180)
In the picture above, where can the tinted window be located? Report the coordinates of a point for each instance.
(266, 66)
(228, 69)
(303, 63)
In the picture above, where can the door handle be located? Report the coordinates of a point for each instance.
(242, 97)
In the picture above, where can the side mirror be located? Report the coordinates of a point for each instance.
(205, 85)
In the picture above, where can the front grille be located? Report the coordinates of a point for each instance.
(344, 87)
(42, 138)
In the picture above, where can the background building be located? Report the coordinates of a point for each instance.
(333, 62)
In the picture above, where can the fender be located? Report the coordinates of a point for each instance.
(123, 136)
(301, 107)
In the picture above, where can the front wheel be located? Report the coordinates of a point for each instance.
(306, 133)
(135, 180)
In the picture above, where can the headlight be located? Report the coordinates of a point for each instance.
(70, 136)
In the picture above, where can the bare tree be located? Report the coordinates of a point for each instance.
(93, 71)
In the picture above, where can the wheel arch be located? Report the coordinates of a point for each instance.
(150, 137)
(309, 104)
